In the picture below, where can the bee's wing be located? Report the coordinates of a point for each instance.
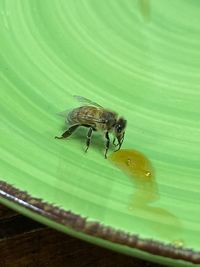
(91, 119)
(87, 118)
(84, 100)
(64, 113)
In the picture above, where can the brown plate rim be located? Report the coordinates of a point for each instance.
(94, 228)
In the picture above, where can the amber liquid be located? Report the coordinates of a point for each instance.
(145, 9)
(140, 169)
(142, 174)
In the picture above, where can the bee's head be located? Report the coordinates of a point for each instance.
(119, 129)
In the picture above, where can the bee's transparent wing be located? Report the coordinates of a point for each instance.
(93, 120)
(87, 118)
(64, 113)
(86, 101)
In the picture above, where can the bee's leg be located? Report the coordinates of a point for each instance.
(114, 139)
(120, 143)
(122, 140)
(89, 135)
(68, 132)
(107, 144)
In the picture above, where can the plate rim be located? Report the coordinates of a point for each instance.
(94, 228)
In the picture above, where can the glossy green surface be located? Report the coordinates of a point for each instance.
(139, 58)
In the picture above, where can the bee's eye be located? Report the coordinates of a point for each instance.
(119, 129)
(120, 126)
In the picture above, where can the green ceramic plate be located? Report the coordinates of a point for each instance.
(139, 58)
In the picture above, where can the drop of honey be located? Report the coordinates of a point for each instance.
(140, 169)
(133, 162)
(178, 243)
(145, 9)
(148, 173)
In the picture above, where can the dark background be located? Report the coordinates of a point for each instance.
(26, 243)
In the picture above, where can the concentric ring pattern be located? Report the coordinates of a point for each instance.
(140, 58)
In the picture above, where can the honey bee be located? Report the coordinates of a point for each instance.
(96, 118)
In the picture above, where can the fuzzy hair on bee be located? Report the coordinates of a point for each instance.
(95, 118)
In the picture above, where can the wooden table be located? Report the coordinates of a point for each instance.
(26, 243)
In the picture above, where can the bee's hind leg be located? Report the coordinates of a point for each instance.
(107, 144)
(89, 135)
(68, 132)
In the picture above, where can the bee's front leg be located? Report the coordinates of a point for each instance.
(107, 143)
(120, 141)
(114, 139)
